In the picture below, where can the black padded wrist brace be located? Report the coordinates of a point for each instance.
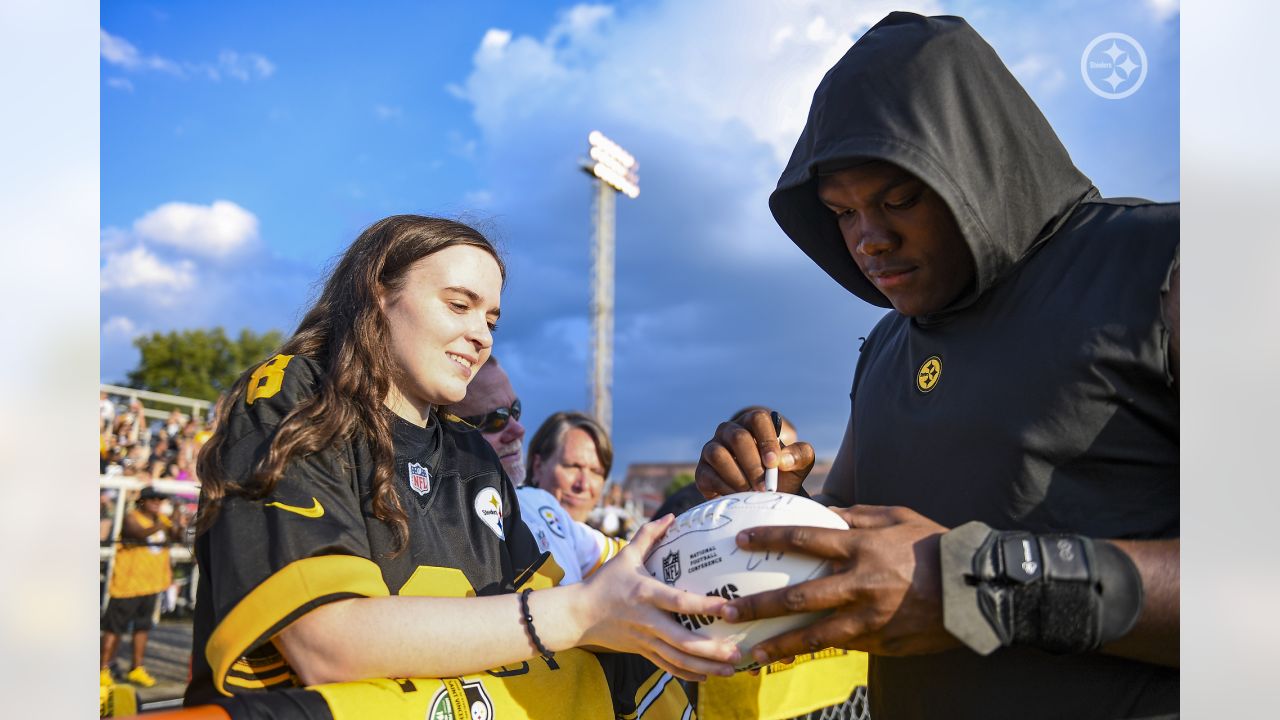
(1058, 592)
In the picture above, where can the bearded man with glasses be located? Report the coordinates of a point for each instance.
(492, 409)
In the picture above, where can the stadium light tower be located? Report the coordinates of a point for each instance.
(615, 171)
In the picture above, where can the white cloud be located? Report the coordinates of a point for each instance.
(579, 22)
(121, 327)
(216, 230)
(114, 239)
(245, 66)
(1164, 9)
(494, 41)
(387, 112)
(118, 51)
(120, 83)
(140, 269)
(654, 68)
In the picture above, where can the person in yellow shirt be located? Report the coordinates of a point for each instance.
(142, 572)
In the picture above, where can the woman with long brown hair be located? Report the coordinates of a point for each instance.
(346, 533)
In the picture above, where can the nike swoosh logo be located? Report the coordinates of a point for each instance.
(315, 511)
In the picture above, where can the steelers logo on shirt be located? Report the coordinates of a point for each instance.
(929, 374)
(488, 505)
(553, 522)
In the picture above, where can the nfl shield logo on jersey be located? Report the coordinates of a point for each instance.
(419, 479)
(671, 567)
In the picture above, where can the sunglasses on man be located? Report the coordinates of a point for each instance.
(492, 421)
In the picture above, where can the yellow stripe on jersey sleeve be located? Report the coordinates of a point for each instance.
(275, 602)
(612, 546)
(543, 574)
(660, 696)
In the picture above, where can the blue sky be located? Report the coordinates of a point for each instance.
(243, 147)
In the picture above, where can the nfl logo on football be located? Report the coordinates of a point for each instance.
(419, 479)
(671, 567)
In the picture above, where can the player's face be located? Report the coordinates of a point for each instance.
(491, 389)
(574, 476)
(901, 234)
(441, 328)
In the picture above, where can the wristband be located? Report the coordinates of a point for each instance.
(1062, 593)
(527, 617)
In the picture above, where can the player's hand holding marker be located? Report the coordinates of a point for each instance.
(884, 594)
(622, 608)
(737, 458)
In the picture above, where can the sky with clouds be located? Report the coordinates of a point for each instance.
(243, 147)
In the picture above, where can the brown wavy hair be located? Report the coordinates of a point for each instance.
(347, 334)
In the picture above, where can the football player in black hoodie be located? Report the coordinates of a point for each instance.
(1011, 457)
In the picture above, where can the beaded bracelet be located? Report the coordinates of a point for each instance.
(528, 624)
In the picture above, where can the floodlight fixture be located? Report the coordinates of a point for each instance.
(612, 164)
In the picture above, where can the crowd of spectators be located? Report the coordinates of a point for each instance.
(130, 446)
(135, 447)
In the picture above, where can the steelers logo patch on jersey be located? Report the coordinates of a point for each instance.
(488, 506)
(929, 374)
(461, 701)
(553, 522)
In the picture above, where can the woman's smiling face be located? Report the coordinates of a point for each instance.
(441, 322)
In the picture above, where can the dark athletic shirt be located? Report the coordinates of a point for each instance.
(1052, 412)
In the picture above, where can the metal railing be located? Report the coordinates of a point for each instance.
(198, 407)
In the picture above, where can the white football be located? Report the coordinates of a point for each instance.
(700, 554)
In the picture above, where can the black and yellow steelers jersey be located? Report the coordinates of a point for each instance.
(314, 540)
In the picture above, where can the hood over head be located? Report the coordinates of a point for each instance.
(931, 96)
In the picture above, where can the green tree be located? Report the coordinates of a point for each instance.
(198, 363)
(677, 483)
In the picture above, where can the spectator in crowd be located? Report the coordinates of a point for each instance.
(147, 470)
(173, 424)
(163, 448)
(106, 412)
(106, 515)
(135, 459)
(492, 409)
(613, 515)
(570, 457)
(183, 469)
(105, 449)
(141, 573)
(190, 440)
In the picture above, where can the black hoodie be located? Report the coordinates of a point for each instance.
(1053, 407)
